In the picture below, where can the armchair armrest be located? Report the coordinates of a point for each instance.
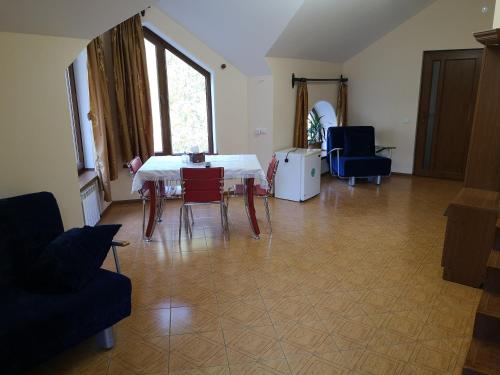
(380, 148)
(329, 154)
(120, 243)
(114, 244)
(338, 149)
(383, 147)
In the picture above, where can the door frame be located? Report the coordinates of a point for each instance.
(418, 152)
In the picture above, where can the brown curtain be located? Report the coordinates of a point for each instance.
(342, 105)
(301, 105)
(100, 115)
(132, 90)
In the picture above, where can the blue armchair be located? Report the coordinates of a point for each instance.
(351, 154)
(36, 324)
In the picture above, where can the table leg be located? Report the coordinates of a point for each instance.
(152, 210)
(250, 208)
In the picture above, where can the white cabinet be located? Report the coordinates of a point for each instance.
(299, 174)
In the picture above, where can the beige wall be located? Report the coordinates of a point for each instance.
(284, 95)
(384, 79)
(496, 20)
(260, 116)
(36, 142)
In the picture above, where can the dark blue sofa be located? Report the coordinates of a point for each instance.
(36, 325)
(351, 154)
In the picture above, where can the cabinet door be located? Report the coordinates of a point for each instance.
(311, 176)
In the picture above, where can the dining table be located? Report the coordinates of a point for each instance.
(160, 171)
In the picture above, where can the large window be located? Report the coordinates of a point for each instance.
(180, 99)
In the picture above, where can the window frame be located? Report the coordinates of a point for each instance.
(75, 120)
(166, 134)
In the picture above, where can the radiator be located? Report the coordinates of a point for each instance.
(91, 204)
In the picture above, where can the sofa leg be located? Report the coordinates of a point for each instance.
(106, 338)
(352, 181)
(378, 180)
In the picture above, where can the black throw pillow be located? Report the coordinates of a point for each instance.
(72, 259)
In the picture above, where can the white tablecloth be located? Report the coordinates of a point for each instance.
(167, 168)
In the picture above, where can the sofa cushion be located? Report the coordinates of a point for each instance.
(27, 224)
(34, 326)
(72, 259)
(361, 166)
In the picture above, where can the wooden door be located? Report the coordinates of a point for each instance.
(448, 91)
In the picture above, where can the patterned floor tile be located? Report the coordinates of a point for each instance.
(140, 355)
(248, 345)
(287, 309)
(200, 318)
(312, 365)
(375, 364)
(197, 350)
(271, 367)
(239, 314)
(433, 359)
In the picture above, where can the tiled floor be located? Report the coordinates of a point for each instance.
(349, 283)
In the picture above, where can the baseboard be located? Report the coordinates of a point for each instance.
(126, 201)
(119, 203)
(402, 174)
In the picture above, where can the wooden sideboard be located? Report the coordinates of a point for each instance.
(473, 214)
(470, 235)
(483, 162)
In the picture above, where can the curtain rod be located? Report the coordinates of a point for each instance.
(302, 79)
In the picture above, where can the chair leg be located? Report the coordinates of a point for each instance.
(378, 180)
(161, 205)
(268, 214)
(187, 222)
(227, 221)
(143, 217)
(226, 214)
(352, 181)
(180, 220)
(224, 220)
(117, 261)
(106, 339)
(221, 207)
(191, 213)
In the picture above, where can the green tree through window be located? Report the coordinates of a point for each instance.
(180, 99)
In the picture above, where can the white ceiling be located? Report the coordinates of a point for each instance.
(335, 30)
(70, 18)
(242, 31)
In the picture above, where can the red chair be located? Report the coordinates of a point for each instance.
(259, 191)
(164, 192)
(202, 186)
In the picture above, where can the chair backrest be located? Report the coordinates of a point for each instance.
(134, 165)
(272, 168)
(27, 224)
(355, 140)
(202, 185)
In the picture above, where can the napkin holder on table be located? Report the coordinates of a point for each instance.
(197, 157)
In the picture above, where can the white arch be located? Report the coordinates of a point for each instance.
(325, 110)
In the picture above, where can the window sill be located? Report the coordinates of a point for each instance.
(86, 178)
